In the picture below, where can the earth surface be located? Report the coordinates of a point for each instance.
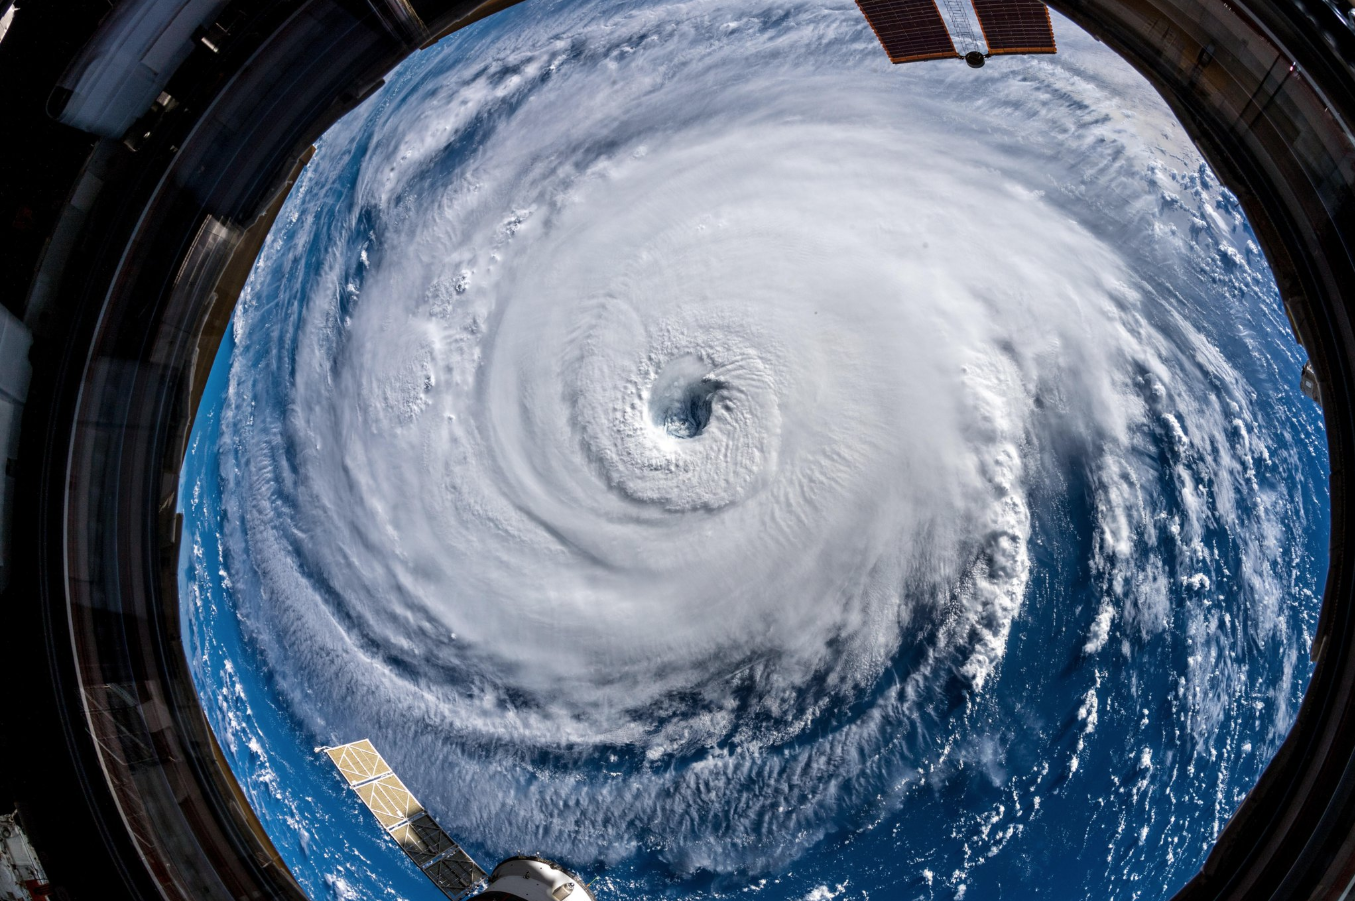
(695, 450)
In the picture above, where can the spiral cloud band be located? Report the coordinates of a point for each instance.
(649, 423)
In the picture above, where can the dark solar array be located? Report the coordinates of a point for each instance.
(1015, 26)
(909, 30)
(456, 874)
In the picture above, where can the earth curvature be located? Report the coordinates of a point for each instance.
(696, 450)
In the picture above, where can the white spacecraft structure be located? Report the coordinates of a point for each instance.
(442, 860)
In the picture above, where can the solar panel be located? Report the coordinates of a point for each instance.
(909, 30)
(358, 761)
(1015, 26)
(422, 839)
(404, 819)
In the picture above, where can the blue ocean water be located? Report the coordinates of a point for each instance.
(1087, 718)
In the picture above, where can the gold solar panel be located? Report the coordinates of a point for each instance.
(389, 800)
(1015, 26)
(402, 816)
(909, 30)
(358, 761)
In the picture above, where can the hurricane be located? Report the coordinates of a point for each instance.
(693, 448)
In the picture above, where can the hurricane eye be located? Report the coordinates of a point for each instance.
(688, 416)
(683, 397)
